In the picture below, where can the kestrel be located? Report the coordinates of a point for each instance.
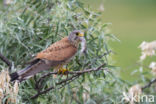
(56, 55)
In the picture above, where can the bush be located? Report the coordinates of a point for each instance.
(29, 26)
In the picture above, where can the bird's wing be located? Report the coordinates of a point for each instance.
(59, 51)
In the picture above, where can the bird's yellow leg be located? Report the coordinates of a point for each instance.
(62, 70)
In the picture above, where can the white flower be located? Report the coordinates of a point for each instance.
(135, 93)
(148, 49)
(153, 67)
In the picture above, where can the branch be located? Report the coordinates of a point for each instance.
(75, 75)
(149, 84)
(52, 87)
(4, 59)
(72, 72)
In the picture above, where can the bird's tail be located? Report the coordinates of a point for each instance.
(35, 66)
(16, 75)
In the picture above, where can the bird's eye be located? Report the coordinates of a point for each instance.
(77, 34)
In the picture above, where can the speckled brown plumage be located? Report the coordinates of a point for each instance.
(58, 51)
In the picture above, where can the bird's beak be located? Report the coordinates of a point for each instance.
(81, 34)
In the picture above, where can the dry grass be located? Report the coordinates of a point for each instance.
(8, 91)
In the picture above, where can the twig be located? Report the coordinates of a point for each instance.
(75, 75)
(3, 58)
(72, 72)
(149, 84)
(52, 87)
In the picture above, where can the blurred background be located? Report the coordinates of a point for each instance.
(133, 21)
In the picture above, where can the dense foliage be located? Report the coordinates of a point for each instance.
(31, 26)
(27, 27)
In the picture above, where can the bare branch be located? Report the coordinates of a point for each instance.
(149, 84)
(75, 75)
(4, 59)
(52, 87)
(72, 72)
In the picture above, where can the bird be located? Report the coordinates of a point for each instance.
(55, 56)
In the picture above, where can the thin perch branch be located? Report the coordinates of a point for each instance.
(72, 72)
(75, 75)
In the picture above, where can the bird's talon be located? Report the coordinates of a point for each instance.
(63, 71)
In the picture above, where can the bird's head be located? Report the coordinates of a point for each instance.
(77, 37)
